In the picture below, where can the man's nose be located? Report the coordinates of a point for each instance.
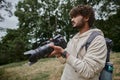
(72, 19)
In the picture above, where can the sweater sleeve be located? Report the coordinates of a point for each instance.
(94, 60)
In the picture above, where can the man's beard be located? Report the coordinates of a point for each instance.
(81, 25)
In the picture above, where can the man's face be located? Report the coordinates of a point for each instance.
(78, 22)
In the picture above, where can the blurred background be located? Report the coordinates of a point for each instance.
(26, 24)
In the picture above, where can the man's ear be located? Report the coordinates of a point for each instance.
(86, 19)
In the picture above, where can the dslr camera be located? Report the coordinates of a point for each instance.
(45, 50)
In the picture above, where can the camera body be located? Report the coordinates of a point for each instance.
(45, 50)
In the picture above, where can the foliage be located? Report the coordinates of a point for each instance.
(39, 20)
(12, 47)
(111, 28)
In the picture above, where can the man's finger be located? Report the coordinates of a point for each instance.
(52, 54)
(51, 45)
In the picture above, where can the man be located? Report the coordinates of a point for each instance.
(82, 64)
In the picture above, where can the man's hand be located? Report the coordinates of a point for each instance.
(57, 50)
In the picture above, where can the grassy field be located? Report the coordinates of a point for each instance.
(115, 58)
(45, 69)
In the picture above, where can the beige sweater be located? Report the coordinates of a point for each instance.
(88, 64)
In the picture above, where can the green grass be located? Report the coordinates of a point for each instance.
(115, 58)
(45, 69)
(42, 76)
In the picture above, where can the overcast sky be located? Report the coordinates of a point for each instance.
(9, 22)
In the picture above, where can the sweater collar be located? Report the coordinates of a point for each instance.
(79, 35)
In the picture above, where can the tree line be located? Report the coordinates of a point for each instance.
(39, 20)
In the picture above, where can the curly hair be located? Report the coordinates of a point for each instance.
(85, 11)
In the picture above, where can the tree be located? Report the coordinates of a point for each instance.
(53, 16)
(12, 47)
(40, 20)
(111, 29)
